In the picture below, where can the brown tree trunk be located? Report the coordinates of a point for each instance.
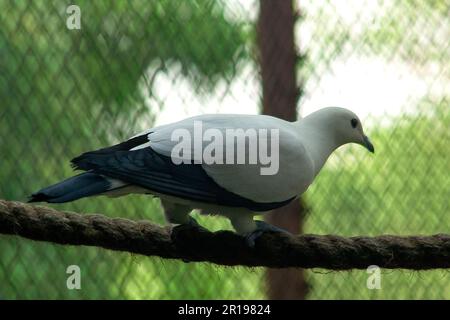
(280, 95)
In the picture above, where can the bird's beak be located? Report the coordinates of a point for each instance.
(368, 144)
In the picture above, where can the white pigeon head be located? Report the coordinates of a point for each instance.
(343, 124)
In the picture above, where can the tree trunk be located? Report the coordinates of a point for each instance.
(278, 59)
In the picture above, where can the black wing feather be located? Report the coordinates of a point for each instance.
(151, 170)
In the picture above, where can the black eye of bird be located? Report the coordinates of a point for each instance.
(354, 123)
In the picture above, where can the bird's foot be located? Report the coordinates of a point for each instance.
(261, 227)
(183, 228)
(193, 223)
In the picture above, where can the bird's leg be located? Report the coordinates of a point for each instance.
(193, 223)
(261, 227)
(177, 214)
(252, 229)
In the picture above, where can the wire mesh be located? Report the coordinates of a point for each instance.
(136, 64)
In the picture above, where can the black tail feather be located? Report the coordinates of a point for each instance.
(80, 186)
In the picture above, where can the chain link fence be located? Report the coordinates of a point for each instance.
(135, 64)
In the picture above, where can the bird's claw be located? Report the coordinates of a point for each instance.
(252, 236)
(193, 223)
(261, 227)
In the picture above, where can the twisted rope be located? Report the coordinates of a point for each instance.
(224, 247)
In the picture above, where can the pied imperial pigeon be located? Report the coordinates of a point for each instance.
(232, 183)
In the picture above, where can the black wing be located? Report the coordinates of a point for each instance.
(148, 169)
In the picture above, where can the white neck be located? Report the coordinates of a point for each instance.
(318, 140)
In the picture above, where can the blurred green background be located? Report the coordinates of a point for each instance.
(134, 64)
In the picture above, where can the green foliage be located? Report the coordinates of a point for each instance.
(61, 92)
(53, 78)
(409, 29)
